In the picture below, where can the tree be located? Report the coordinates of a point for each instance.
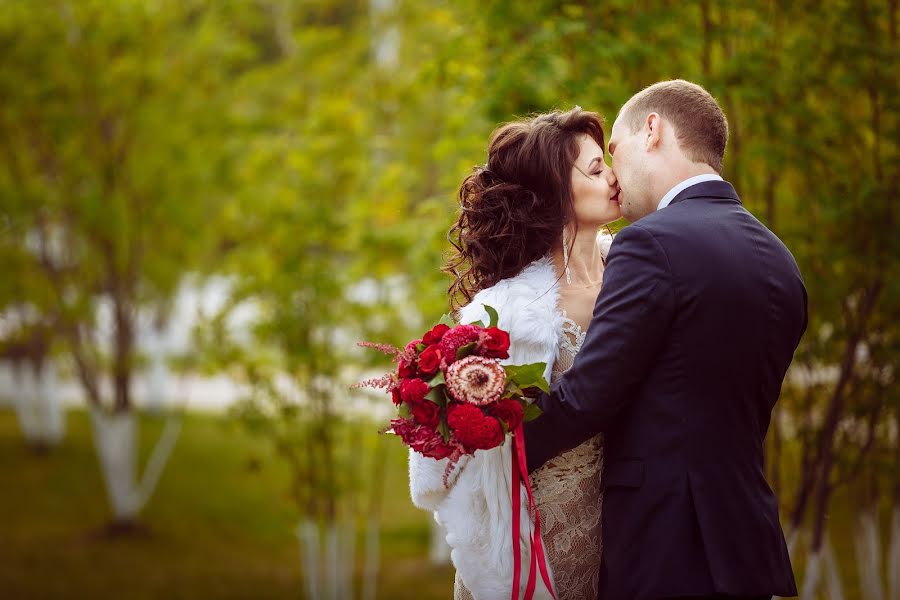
(115, 154)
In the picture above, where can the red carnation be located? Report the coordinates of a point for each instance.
(494, 343)
(430, 360)
(456, 338)
(509, 411)
(434, 336)
(427, 413)
(474, 430)
(424, 439)
(413, 390)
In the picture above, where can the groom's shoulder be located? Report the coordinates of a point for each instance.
(649, 229)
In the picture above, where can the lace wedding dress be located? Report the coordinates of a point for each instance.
(567, 493)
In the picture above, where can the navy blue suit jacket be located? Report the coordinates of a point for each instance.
(701, 311)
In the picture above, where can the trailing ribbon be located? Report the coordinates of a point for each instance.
(520, 475)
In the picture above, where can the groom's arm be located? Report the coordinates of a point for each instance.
(632, 317)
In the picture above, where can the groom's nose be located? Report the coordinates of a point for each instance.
(611, 179)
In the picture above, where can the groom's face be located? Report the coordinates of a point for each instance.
(628, 163)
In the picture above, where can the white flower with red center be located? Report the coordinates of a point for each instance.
(476, 380)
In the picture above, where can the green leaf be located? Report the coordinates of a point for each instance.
(444, 430)
(437, 396)
(491, 311)
(447, 320)
(526, 376)
(513, 390)
(404, 411)
(438, 379)
(531, 412)
(420, 347)
(466, 350)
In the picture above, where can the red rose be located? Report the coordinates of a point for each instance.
(493, 343)
(405, 370)
(413, 390)
(435, 335)
(427, 413)
(509, 411)
(395, 396)
(456, 338)
(474, 430)
(430, 360)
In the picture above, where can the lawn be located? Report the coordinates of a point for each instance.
(220, 524)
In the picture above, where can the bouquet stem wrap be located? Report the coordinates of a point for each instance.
(520, 475)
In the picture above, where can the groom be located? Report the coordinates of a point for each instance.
(701, 310)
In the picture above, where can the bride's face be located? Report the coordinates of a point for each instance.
(595, 189)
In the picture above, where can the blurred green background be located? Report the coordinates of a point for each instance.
(203, 205)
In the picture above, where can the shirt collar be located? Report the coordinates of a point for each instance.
(670, 195)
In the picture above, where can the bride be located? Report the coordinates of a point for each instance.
(527, 244)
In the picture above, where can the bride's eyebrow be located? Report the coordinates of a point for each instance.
(591, 164)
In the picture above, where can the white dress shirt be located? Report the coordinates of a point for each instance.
(670, 195)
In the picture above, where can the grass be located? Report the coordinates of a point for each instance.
(220, 524)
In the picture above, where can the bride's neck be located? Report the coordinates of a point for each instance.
(585, 260)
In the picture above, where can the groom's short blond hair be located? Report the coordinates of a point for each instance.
(700, 125)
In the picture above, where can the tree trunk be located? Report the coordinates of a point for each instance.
(821, 567)
(373, 522)
(812, 575)
(868, 554)
(833, 584)
(115, 440)
(38, 406)
(327, 559)
(123, 346)
(893, 561)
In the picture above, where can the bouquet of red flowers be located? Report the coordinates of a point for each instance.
(452, 394)
(453, 397)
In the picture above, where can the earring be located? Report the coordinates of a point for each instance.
(566, 255)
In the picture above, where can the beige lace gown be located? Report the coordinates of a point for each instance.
(567, 493)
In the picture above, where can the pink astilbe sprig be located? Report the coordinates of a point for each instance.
(409, 354)
(385, 382)
(385, 348)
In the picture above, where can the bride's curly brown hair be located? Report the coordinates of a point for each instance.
(513, 209)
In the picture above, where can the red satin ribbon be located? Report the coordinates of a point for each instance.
(520, 475)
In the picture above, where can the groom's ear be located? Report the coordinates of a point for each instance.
(652, 131)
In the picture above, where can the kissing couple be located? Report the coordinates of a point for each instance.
(666, 348)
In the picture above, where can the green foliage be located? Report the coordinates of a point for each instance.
(492, 313)
(311, 153)
(527, 376)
